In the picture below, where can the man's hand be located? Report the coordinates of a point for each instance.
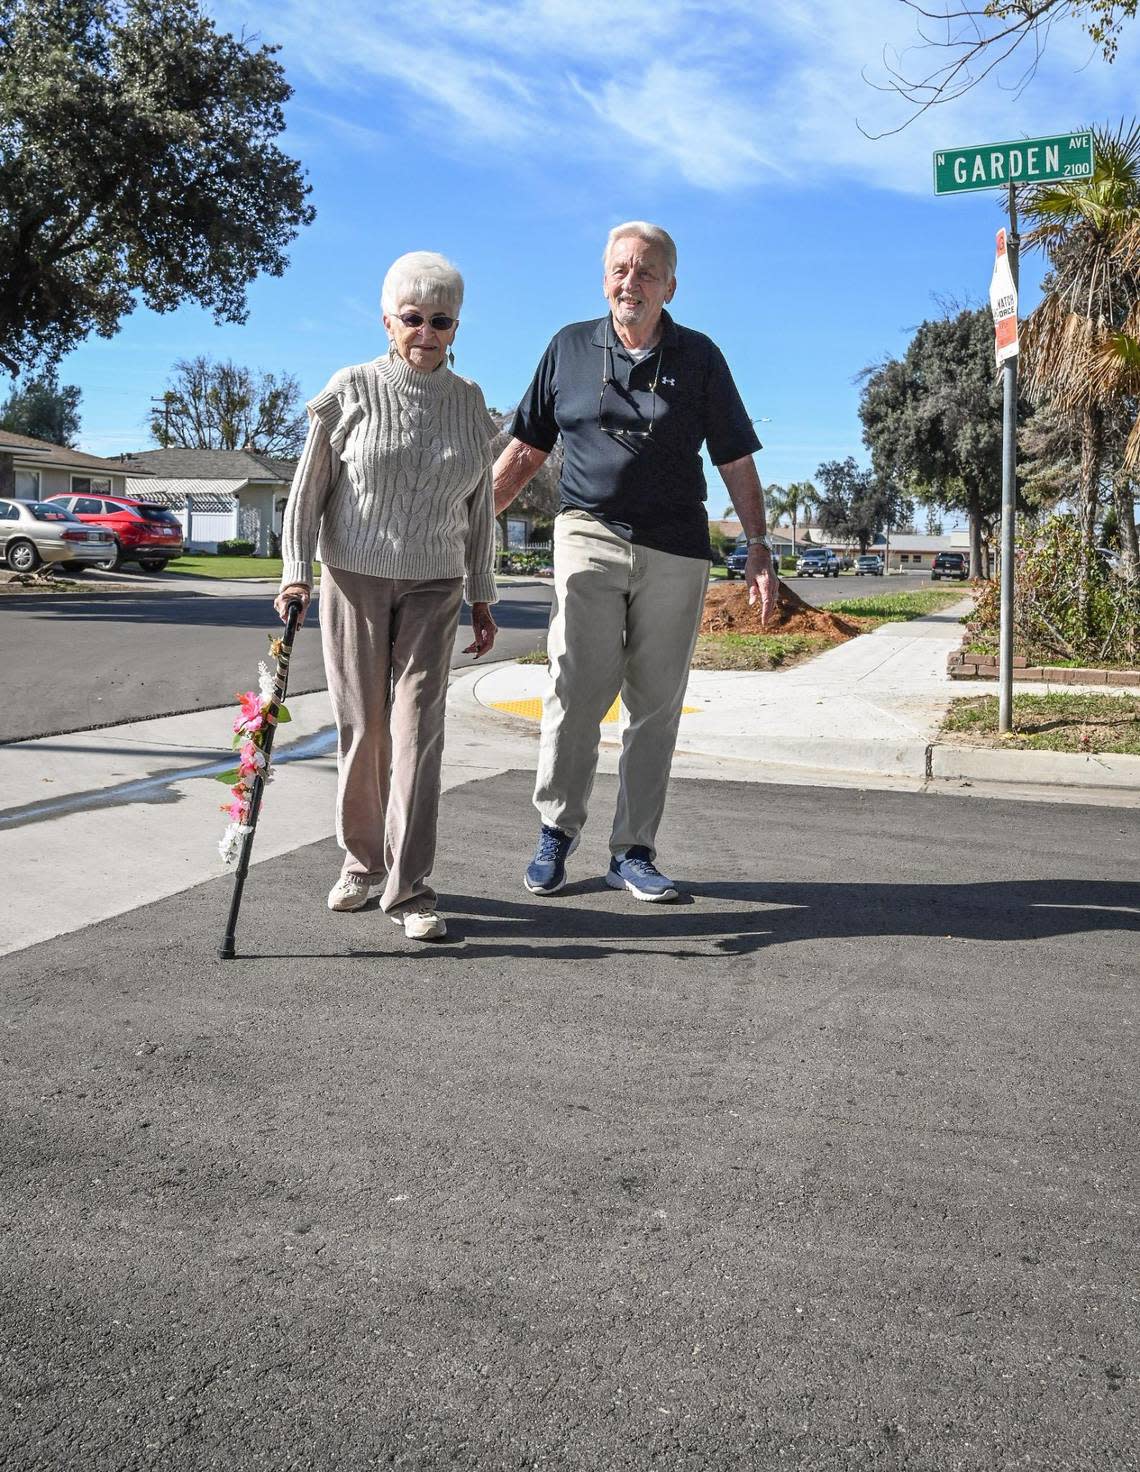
(761, 581)
(293, 593)
(484, 628)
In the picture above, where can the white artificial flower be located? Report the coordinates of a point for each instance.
(230, 846)
(265, 681)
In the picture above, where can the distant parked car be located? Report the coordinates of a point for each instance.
(818, 560)
(735, 562)
(846, 563)
(143, 532)
(32, 532)
(870, 563)
(950, 565)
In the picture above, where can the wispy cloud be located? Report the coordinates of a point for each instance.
(728, 95)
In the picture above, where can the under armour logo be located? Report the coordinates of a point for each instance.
(672, 382)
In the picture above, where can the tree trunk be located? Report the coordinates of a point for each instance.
(1122, 494)
(7, 477)
(1088, 500)
(978, 568)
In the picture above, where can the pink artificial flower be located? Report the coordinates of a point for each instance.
(235, 809)
(249, 718)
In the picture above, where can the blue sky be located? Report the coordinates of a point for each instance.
(512, 136)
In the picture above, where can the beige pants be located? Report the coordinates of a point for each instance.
(387, 645)
(625, 620)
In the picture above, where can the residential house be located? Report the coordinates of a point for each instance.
(32, 470)
(217, 494)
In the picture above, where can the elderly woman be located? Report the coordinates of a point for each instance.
(395, 478)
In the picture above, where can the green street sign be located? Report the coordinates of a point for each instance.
(1025, 161)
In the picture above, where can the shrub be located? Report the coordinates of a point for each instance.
(1048, 621)
(236, 547)
(522, 562)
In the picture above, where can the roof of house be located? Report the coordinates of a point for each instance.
(183, 464)
(45, 453)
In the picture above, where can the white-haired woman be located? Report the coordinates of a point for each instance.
(395, 478)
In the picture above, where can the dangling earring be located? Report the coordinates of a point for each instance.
(450, 357)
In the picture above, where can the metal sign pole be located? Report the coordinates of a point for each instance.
(1008, 502)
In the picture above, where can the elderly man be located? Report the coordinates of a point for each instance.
(633, 396)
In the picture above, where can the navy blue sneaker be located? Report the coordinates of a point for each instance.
(546, 872)
(637, 872)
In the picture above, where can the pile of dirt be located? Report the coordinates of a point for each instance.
(727, 611)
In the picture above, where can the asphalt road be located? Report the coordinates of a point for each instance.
(832, 1167)
(75, 661)
(72, 662)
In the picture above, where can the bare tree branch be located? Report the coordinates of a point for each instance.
(978, 39)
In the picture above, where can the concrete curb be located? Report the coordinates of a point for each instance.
(1037, 768)
(855, 756)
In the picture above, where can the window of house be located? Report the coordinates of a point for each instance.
(91, 484)
(27, 485)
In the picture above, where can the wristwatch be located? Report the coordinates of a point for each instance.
(760, 542)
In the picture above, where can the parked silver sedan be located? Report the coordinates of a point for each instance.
(32, 532)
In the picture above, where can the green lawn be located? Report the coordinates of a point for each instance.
(202, 565)
(1058, 722)
(892, 608)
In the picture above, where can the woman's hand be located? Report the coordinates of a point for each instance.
(292, 593)
(484, 628)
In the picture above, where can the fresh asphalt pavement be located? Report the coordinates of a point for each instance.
(74, 661)
(830, 1166)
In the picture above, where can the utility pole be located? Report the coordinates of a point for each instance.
(1008, 497)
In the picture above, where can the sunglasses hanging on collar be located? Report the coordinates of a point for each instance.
(633, 440)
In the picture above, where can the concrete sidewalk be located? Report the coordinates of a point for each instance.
(870, 708)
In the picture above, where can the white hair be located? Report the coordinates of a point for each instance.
(651, 234)
(424, 278)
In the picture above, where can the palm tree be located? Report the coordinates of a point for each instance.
(1079, 344)
(790, 502)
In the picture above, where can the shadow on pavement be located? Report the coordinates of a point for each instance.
(772, 915)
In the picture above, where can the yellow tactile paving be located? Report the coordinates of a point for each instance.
(532, 710)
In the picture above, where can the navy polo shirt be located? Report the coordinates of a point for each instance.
(644, 478)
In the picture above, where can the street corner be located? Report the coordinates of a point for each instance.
(519, 690)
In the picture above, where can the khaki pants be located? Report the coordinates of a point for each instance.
(387, 644)
(625, 620)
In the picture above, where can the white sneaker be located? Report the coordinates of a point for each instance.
(421, 924)
(351, 892)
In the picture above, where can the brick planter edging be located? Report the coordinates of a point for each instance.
(961, 664)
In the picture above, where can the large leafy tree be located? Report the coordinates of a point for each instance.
(1081, 344)
(932, 421)
(855, 503)
(137, 159)
(43, 409)
(222, 406)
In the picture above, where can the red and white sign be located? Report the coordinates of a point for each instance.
(1003, 304)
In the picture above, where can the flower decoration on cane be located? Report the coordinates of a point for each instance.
(252, 722)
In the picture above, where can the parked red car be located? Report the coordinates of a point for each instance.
(144, 533)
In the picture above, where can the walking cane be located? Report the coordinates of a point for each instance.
(226, 950)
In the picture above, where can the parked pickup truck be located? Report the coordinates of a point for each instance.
(821, 560)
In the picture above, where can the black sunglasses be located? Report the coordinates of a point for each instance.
(440, 321)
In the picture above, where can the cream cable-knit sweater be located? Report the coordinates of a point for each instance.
(395, 477)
